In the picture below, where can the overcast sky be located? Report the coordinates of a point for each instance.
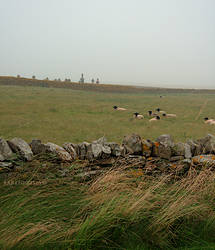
(148, 42)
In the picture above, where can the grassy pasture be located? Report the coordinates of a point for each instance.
(60, 115)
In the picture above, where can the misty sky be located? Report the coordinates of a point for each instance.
(149, 42)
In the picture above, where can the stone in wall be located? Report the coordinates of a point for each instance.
(115, 148)
(36, 146)
(195, 147)
(60, 152)
(70, 148)
(204, 159)
(21, 147)
(182, 149)
(147, 147)
(89, 154)
(163, 155)
(97, 149)
(5, 151)
(101, 148)
(163, 147)
(82, 150)
(133, 144)
(207, 144)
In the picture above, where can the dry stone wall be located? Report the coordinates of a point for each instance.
(193, 152)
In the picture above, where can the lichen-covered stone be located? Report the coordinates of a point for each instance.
(115, 148)
(60, 152)
(101, 149)
(36, 146)
(5, 151)
(166, 140)
(76, 147)
(98, 150)
(196, 148)
(22, 148)
(178, 149)
(187, 151)
(147, 147)
(70, 148)
(207, 144)
(202, 141)
(123, 151)
(133, 144)
(89, 154)
(82, 150)
(182, 149)
(163, 147)
(204, 159)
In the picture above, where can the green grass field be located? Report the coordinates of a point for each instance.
(62, 115)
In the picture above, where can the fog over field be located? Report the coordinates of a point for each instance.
(165, 43)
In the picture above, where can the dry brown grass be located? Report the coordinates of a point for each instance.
(162, 203)
(31, 232)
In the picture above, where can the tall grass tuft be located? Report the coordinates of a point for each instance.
(155, 212)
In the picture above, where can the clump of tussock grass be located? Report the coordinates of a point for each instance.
(157, 212)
